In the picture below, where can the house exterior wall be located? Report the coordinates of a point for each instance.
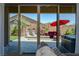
(77, 30)
(1, 29)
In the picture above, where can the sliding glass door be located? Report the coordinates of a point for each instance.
(67, 27)
(48, 15)
(12, 16)
(28, 38)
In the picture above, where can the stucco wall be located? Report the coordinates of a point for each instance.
(1, 29)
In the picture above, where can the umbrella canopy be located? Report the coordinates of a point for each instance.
(61, 22)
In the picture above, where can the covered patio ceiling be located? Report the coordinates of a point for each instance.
(48, 8)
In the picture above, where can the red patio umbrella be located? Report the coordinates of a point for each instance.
(61, 22)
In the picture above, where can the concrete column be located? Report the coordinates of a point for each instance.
(1, 29)
(77, 29)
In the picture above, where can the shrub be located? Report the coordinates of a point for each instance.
(70, 31)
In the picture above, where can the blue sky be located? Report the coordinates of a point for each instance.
(48, 18)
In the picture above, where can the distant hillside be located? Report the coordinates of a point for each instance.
(14, 19)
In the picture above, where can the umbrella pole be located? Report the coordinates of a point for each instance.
(58, 28)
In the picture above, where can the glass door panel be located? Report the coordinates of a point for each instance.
(68, 29)
(13, 33)
(47, 17)
(28, 18)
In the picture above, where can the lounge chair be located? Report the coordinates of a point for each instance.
(28, 34)
(34, 34)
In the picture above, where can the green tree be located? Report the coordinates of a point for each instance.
(15, 31)
(70, 31)
(46, 29)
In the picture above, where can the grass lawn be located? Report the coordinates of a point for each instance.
(13, 37)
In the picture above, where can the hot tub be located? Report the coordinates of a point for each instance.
(68, 42)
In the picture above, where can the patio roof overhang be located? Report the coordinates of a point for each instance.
(48, 8)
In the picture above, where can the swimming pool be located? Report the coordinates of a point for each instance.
(30, 45)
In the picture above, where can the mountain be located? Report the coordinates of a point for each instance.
(14, 19)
